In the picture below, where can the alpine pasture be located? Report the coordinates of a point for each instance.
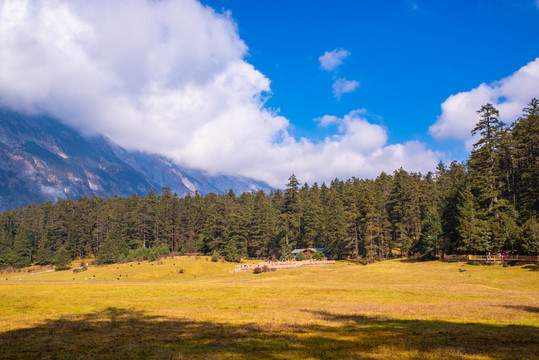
(192, 308)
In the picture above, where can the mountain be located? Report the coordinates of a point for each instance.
(41, 159)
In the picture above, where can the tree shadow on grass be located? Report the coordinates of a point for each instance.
(411, 260)
(125, 334)
(532, 309)
(531, 267)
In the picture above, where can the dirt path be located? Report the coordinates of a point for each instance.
(34, 273)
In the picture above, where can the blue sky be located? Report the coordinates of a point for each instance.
(409, 56)
(264, 89)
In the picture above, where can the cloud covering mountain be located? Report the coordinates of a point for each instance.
(171, 77)
(43, 160)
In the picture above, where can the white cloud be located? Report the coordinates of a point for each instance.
(509, 95)
(170, 77)
(343, 86)
(331, 60)
(359, 147)
(327, 120)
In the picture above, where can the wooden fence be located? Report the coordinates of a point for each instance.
(493, 257)
(280, 265)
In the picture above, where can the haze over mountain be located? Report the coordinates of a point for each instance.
(41, 159)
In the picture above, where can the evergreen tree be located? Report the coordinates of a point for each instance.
(474, 232)
(484, 161)
(22, 249)
(215, 227)
(62, 259)
(336, 226)
(453, 180)
(44, 254)
(503, 227)
(530, 236)
(526, 140)
(371, 222)
(236, 238)
(112, 249)
(405, 212)
(312, 219)
(431, 230)
(290, 217)
(262, 226)
(384, 186)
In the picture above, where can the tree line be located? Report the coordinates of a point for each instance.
(488, 204)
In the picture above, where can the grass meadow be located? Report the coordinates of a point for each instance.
(389, 310)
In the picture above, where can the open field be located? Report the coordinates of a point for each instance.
(390, 310)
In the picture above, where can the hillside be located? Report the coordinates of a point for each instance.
(43, 160)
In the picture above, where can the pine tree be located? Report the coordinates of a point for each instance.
(474, 233)
(44, 254)
(405, 212)
(526, 139)
(312, 219)
(236, 238)
(503, 226)
(384, 186)
(62, 259)
(262, 226)
(290, 217)
(454, 180)
(371, 228)
(431, 230)
(22, 248)
(530, 236)
(215, 227)
(112, 249)
(484, 160)
(336, 226)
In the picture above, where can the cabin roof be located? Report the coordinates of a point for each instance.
(295, 251)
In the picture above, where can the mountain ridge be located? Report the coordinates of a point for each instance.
(42, 160)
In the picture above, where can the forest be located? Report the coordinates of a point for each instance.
(488, 204)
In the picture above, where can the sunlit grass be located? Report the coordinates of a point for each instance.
(392, 309)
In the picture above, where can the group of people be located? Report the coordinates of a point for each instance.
(504, 255)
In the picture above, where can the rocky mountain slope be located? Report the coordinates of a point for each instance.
(42, 159)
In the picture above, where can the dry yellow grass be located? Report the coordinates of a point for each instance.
(394, 309)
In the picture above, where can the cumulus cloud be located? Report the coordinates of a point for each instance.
(343, 86)
(360, 147)
(170, 77)
(509, 95)
(331, 60)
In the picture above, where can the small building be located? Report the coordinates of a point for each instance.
(307, 252)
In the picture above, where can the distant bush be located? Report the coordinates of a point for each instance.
(261, 269)
(153, 254)
(215, 256)
(150, 254)
(318, 256)
(75, 271)
(285, 257)
(300, 256)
